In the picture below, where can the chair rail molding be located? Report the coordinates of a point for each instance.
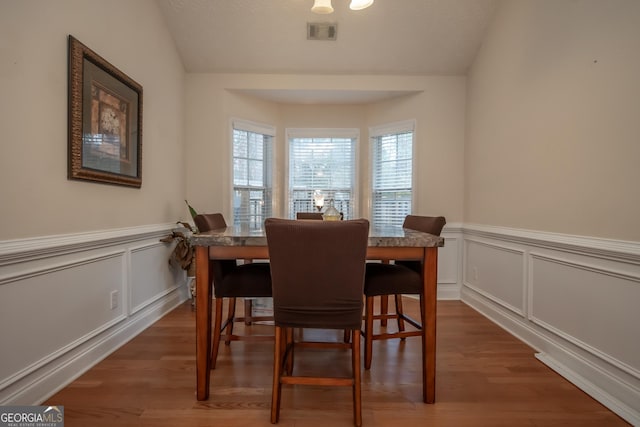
(30, 248)
(594, 246)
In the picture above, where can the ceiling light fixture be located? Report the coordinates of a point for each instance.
(324, 6)
(360, 4)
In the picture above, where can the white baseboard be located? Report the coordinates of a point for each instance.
(49, 379)
(537, 284)
(632, 415)
(529, 335)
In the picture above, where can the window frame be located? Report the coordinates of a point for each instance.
(394, 128)
(351, 133)
(259, 128)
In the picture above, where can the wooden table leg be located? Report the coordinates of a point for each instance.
(429, 301)
(203, 322)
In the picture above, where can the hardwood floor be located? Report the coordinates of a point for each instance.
(485, 377)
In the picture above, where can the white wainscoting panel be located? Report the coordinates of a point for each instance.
(592, 307)
(449, 261)
(497, 272)
(151, 261)
(42, 308)
(572, 298)
(56, 313)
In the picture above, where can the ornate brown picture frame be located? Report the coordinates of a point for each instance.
(105, 120)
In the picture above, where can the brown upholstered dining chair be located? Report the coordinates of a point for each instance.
(231, 281)
(403, 277)
(313, 215)
(318, 216)
(308, 215)
(317, 271)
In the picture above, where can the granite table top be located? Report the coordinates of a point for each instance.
(378, 237)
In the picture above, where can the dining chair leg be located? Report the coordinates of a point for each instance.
(289, 345)
(368, 332)
(384, 302)
(384, 309)
(277, 366)
(217, 323)
(248, 311)
(248, 304)
(357, 390)
(231, 314)
(399, 313)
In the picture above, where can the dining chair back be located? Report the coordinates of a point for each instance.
(427, 224)
(317, 271)
(314, 215)
(401, 278)
(208, 222)
(309, 215)
(231, 281)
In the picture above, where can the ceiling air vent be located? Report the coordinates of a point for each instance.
(322, 31)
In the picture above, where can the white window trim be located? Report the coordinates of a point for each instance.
(389, 129)
(256, 127)
(393, 128)
(322, 133)
(353, 133)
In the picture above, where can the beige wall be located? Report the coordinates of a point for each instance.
(439, 111)
(323, 116)
(553, 119)
(436, 103)
(210, 109)
(37, 199)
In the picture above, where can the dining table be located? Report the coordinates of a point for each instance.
(245, 243)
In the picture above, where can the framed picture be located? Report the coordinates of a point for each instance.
(105, 120)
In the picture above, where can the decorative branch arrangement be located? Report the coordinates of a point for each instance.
(183, 254)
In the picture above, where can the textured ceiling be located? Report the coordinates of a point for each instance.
(269, 36)
(394, 37)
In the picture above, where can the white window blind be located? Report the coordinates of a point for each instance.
(392, 174)
(252, 173)
(322, 161)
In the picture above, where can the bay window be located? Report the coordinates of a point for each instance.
(322, 162)
(392, 173)
(252, 173)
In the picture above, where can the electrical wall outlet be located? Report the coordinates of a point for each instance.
(475, 273)
(115, 299)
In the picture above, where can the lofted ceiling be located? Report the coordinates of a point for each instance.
(392, 37)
